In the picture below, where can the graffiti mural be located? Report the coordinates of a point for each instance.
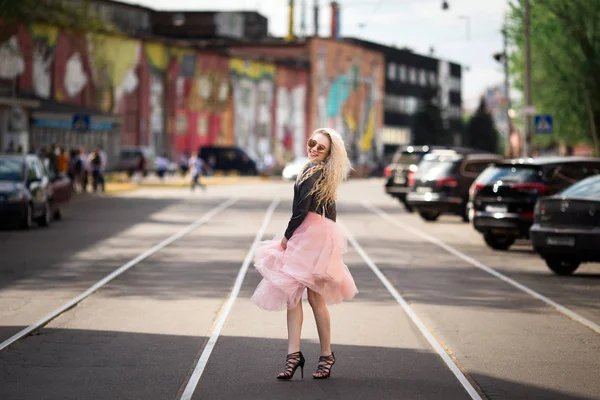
(202, 94)
(253, 97)
(347, 94)
(290, 114)
(165, 97)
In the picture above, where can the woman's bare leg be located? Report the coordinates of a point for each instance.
(295, 317)
(322, 319)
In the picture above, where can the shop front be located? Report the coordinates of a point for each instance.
(77, 130)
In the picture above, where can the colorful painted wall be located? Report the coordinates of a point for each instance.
(347, 84)
(170, 98)
(290, 116)
(253, 85)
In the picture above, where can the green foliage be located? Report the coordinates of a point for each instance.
(565, 64)
(78, 15)
(480, 132)
(428, 126)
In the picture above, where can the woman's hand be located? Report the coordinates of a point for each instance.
(284, 243)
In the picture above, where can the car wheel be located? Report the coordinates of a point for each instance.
(561, 266)
(429, 215)
(27, 222)
(46, 218)
(498, 242)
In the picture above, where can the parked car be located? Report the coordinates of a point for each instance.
(566, 228)
(227, 159)
(403, 165)
(28, 192)
(503, 197)
(293, 168)
(441, 183)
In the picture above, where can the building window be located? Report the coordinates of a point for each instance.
(401, 104)
(423, 77)
(402, 73)
(392, 71)
(432, 78)
(455, 84)
(412, 74)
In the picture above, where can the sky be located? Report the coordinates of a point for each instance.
(468, 33)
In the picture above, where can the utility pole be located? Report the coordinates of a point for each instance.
(504, 58)
(528, 119)
(303, 18)
(290, 35)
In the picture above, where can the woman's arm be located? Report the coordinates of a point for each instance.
(301, 205)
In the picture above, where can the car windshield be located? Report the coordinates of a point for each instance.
(11, 170)
(509, 174)
(406, 158)
(588, 188)
(433, 166)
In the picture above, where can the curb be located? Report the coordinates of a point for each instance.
(117, 187)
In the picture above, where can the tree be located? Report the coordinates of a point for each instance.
(428, 126)
(565, 64)
(481, 132)
(79, 15)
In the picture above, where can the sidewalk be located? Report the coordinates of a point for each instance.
(120, 182)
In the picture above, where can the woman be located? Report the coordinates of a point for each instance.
(309, 256)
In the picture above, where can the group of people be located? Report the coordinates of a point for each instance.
(77, 164)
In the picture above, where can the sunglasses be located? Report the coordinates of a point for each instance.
(312, 143)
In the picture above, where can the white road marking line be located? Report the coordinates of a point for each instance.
(73, 302)
(464, 381)
(562, 309)
(224, 314)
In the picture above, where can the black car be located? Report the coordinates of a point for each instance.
(27, 191)
(566, 227)
(441, 183)
(402, 167)
(228, 159)
(502, 198)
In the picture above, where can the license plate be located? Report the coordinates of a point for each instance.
(560, 241)
(422, 189)
(399, 180)
(496, 209)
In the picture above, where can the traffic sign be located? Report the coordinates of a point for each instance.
(81, 122)
(543, 124)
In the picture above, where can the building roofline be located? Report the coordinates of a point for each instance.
(353, 39)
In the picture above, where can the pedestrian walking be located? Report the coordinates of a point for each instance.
(196, 165)
(309, 257)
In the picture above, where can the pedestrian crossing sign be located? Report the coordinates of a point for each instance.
(543, 124)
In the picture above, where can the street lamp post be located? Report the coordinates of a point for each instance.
(528, 119)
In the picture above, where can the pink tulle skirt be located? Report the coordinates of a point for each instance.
(313, 260)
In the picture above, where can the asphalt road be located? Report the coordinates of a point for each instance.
(439, 315)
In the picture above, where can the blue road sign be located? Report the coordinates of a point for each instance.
(81, 122)
(543, 124)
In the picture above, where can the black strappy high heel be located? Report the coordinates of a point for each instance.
(324, 368)
(292, 362)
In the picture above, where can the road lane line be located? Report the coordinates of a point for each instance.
(224, 314)
(562, 309)
(464, 381)
(73, 302)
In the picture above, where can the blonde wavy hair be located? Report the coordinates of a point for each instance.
(335, 168)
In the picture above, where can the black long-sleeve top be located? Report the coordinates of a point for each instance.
(303, 203)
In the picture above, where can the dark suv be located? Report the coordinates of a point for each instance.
(441, 183)
(403, 166)
(502, 199)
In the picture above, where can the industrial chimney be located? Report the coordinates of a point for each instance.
(316, 18)
(335, 20)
